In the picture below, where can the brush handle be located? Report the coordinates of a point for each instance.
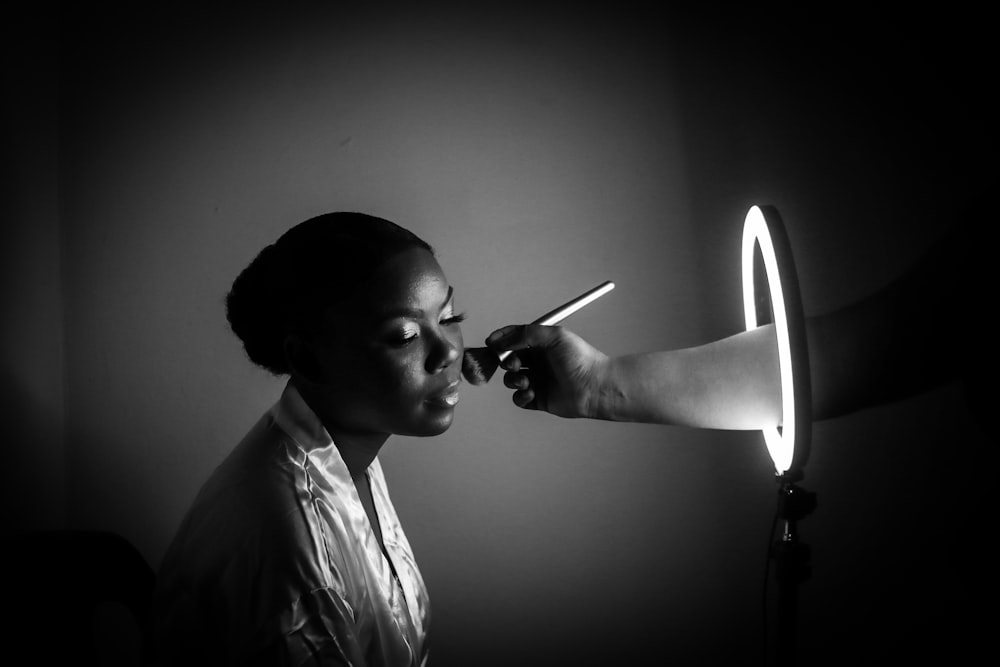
(562, 312)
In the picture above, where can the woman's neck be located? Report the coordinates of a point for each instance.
(358, 450)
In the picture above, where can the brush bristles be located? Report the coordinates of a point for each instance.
(479, 364)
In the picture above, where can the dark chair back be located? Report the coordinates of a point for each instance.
(66, 591)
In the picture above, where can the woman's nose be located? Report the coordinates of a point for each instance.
(446, 352)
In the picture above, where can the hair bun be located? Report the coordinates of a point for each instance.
(250, 309)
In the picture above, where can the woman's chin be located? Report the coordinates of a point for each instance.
(435, 424)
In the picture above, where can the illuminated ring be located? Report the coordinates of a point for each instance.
(789, 444)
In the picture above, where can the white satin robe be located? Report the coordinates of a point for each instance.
(277, 563)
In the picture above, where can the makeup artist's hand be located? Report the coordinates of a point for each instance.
(550, 368)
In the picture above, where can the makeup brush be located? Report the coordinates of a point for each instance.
(480, 363)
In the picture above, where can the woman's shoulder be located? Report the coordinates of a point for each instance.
(257, 463)
(249, 504)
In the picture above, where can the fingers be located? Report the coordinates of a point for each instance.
(502, 335)
(516, 380)
(531, 340)
(524, 395)
(521, 337)
(512, 363)
(525, 399)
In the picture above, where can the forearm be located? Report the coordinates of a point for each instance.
(732, 383)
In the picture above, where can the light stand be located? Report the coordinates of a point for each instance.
(787, 445)
(791, 564)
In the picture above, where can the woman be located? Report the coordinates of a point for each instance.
(292, 552)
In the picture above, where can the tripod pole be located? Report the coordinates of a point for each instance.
(791, 567)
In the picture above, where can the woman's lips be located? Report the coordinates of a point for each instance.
(447, 398)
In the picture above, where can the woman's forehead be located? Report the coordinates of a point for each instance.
(411, 280)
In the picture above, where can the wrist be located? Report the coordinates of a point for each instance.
(599, 399)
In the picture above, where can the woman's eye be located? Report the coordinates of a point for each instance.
(410, 332)
(406, 335)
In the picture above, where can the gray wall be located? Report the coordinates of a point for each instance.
(32, 334)
(540, 153)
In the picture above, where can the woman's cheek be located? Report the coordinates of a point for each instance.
(399, 371)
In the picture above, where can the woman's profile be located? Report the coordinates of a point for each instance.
(292, 552)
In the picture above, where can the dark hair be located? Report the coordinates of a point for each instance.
(290, 284)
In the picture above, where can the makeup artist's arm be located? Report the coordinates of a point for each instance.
(727, 384)
(916, 333)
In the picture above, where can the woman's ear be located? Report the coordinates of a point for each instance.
(302, 360)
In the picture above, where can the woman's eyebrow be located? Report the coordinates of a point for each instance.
(412, 312)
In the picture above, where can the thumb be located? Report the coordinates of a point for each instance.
(522, 336)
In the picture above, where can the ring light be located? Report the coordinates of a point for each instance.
(788, 444)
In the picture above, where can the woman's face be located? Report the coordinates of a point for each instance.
(390, 358)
